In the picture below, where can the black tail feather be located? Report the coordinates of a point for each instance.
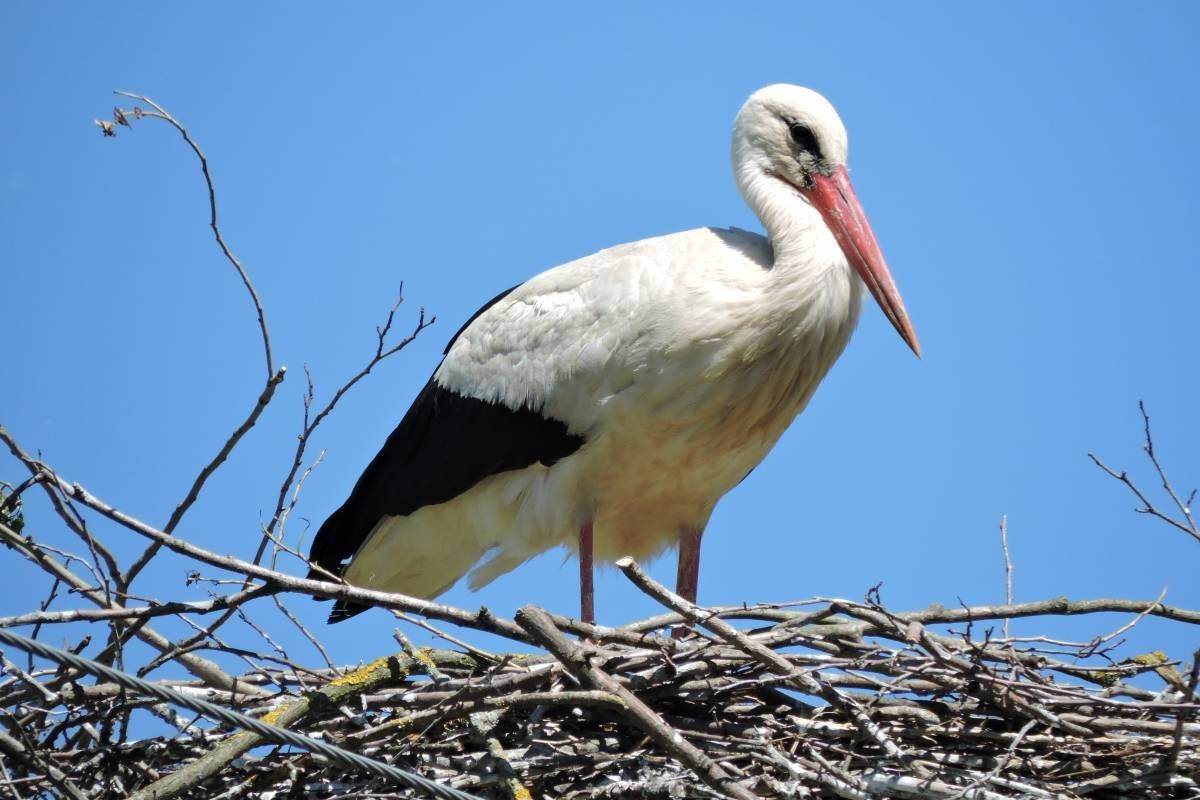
(344, 610)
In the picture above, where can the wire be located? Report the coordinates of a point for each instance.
(270, 732)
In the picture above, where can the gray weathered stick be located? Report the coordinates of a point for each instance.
(765, 656)
(576, 660)
(378, 672)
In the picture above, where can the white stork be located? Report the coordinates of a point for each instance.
(609, 403)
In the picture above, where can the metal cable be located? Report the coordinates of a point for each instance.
(270, 732)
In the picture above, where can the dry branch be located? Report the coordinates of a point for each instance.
(579, 663)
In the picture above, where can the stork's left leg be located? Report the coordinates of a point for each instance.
(587, 592)
(687, 576)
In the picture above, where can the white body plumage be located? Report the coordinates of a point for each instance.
(682, 359)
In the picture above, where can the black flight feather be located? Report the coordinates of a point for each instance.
(446, 443)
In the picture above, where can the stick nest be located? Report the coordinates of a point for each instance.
(873, 704)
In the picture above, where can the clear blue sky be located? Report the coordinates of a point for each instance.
(1030, 170)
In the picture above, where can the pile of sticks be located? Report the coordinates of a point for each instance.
(827, 698)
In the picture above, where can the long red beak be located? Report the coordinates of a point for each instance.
(834, 197)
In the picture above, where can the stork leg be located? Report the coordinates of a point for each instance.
(687, 575)
(587, 593)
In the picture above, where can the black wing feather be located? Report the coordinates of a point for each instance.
(446, 443)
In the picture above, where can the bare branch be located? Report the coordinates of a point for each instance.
(541, 628)
(1008, 567)
(1187, 524)
(15, 750)
(134, 612)
(382, 352)
(194, 492)
(767, 657)
(1184, 509)
(200, 667)
(161, 113)
(1189, 698)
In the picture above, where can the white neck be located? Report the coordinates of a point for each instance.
(799, 237)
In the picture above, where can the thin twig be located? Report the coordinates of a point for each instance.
(14, 749)
(541, 628)
(767, 657)
(198, 484)
(1184, 508)
(134, 612)
(1188, 524)
(200, 667)
(1008, 567)
(1189, 696)
(382, 352)
(162, 114)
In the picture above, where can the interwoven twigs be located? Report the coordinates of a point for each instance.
(716, 699)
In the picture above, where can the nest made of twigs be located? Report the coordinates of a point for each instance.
(836, 698)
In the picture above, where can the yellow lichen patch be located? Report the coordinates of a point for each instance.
(361, 675)
(272, 717)
(1160, 663)
(422, 654)
(1153, 659)
(1103, 678)
(520, 792)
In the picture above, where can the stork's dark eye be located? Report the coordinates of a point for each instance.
(803, 136)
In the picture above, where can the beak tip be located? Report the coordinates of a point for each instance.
(908, 333)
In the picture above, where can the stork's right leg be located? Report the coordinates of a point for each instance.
(587, 595)
(687, 575)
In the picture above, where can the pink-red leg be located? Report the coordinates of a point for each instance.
(687, 575)
(587, 592)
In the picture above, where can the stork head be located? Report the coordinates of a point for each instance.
(791, 137)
